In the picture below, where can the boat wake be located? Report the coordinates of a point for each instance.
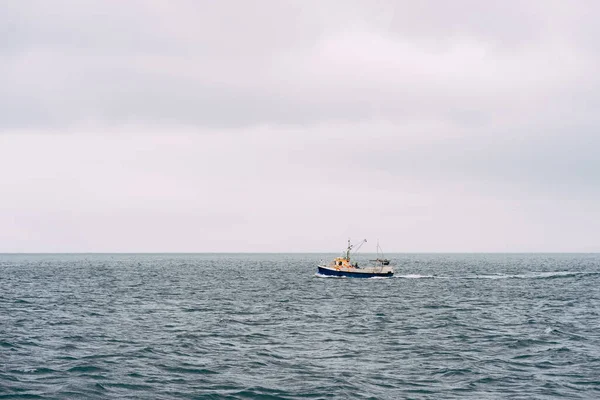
(415, 276)
(531, 275)
(537, 275)
(346, 277)
(318, 275)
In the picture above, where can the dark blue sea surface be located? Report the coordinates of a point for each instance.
(168, 326)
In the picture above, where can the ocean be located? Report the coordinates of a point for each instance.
(264, 326)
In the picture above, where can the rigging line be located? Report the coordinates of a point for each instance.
(358, 246)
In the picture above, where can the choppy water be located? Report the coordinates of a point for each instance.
(264, 326)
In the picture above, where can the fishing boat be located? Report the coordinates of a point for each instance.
(343, 266)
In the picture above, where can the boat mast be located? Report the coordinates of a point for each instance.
(348, 250)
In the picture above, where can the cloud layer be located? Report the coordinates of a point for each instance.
(290, 125)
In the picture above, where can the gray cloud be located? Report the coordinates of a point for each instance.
(250, 118)
(235, 64)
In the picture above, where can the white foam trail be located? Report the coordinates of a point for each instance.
(498, 276)
(530, 275)
(552, 274)
(318, 275)
(415, 276)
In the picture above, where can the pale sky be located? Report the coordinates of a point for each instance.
(276, 125)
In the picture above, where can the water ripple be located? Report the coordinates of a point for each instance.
(263, 326)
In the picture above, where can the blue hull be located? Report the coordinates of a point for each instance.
(330, 272)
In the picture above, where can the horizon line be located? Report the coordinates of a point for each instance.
(299, 252)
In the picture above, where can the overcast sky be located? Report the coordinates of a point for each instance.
(275, 125)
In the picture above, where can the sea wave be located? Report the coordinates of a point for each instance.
(260, 326)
